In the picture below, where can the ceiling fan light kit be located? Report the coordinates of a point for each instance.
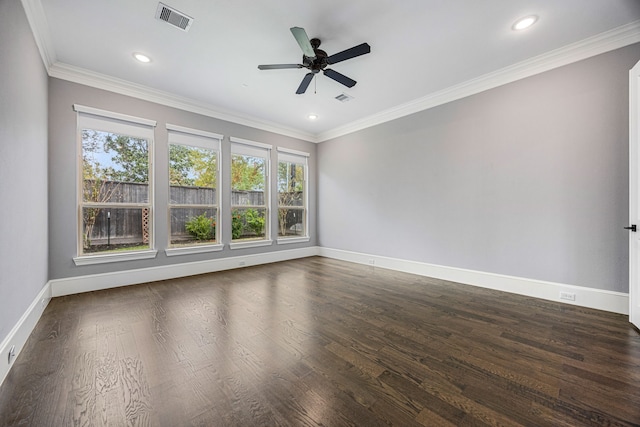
(315, 60)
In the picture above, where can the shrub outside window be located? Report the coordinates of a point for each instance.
(194, 218)
(115, 183)
(292, 194)
(249, 193)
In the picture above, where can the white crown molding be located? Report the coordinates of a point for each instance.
(40, 29)
(592, 46)
(601, 43)
(101, 81)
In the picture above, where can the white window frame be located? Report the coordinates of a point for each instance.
(301, 158)
(179, 135)
(108, 121)
(254, 149)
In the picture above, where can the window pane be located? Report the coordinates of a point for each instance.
(184, 195)
(291, 222)
(115, 168)
(247, 198)
(247, 173)
(193, 226)
(114, 229)
(106, 191)
(291, 199)
(192, 167)
(290, 184)
(248, 223)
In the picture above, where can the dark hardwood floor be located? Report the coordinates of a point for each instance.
(322, 342)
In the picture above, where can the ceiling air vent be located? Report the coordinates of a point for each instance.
(343, 97)
(173, 17)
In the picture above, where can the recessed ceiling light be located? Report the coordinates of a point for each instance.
(525, 22)
(141, 57)
(312, 116)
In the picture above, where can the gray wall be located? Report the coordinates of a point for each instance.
(529, 179)
(23, 165)
(63, 167)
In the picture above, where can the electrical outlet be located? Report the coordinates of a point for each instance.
(372, 262)
(43, 303)
(11, 355)
(568, 296)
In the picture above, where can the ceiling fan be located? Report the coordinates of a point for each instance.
(316, 60)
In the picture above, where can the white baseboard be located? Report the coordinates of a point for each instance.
(599, 299)
(20, 333)
(616, 302)
(96, 282)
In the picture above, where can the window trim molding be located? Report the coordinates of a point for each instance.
(288, 155)
(291, 151)
(250, 244)
(191, 131)
(114, 257)
(297, 239)
(245, 147)
(112, 115)
(188, 250)
(251, 143)
(182, 132)
(85, 117)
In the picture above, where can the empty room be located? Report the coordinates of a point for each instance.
(296, 213)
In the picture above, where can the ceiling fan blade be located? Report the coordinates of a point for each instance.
(361, 49)
(305, 83)
(303, 40)
(340, 78)
(279, 66)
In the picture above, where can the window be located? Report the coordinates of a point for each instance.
(115, 186)
(249, 193)
(194, 219)
(292, 196)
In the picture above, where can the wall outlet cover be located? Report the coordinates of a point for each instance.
(12, 354)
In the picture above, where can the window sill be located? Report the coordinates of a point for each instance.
(107, 258)
(250, 244)
(287, 240)
(193, 250)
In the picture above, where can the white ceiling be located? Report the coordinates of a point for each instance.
(419, 48)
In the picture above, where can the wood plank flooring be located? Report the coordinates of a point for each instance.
(317, 341)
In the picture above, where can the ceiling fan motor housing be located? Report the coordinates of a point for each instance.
(316, 60)
(318, 63)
